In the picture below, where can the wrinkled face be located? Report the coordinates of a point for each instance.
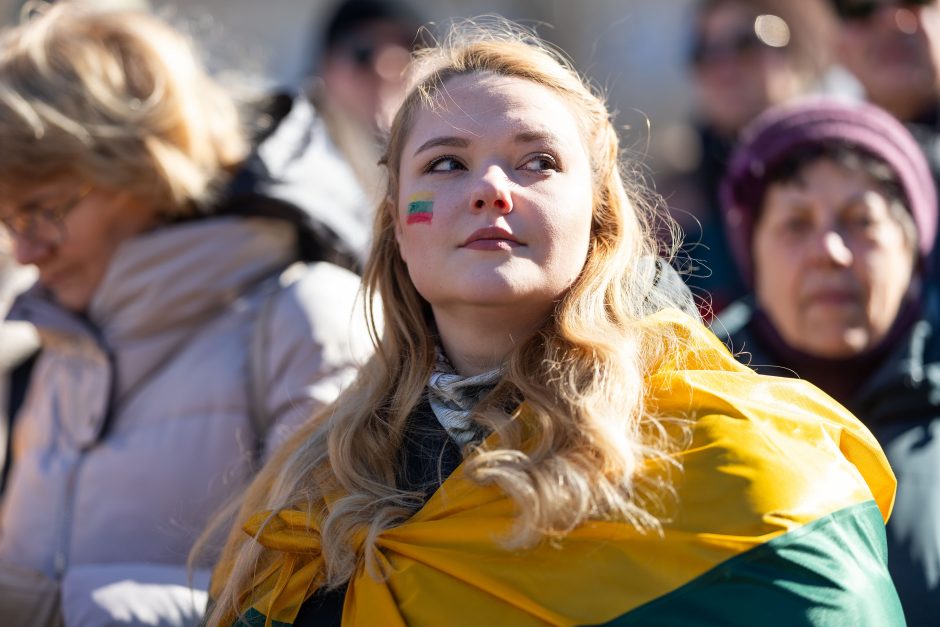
(736, 74)
(495, 197)
(70, 232)
(831, 262)
(894, 50)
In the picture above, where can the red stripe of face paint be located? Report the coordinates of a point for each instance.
(418, 218)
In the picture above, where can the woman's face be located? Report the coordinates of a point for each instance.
(70, 232)
(831, 262)
(495, 197)
(736, 74)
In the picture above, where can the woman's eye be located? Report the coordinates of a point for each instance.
(540, 163)
(445, 164)
(861, 222)
(796, 225)
(861, 218)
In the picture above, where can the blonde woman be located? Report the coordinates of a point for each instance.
(540, 438)
(176, 351)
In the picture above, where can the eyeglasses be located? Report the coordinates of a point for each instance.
(861, 10)
(733, 46)
(36, 219)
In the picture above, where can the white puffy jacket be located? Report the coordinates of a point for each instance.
(136, 426)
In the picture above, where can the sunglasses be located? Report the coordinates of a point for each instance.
(737, 45)
(361, 55)
(860, 10)
(362, 51)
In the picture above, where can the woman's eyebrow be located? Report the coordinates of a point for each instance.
(529, 137)
(854, 200)
(454, 142)
(524, 137)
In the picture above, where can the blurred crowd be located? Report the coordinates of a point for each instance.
(179, 272)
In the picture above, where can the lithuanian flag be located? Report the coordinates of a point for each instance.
(782, 499)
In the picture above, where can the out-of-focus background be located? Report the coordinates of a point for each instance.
(683, 76)
(634, 49)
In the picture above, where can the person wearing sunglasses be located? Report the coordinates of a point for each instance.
(358, 83)
(320, 144)
(367, 44)
(187, 322)
(743, 57)
(893, 48)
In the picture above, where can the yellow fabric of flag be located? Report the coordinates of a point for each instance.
(767, 457)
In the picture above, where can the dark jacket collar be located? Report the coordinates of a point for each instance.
(904, 381)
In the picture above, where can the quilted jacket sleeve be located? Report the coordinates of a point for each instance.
(312, 343)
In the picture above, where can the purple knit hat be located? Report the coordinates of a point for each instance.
(782, 130)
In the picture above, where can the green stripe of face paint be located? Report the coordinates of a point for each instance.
(420, 206)
(832, 571)
(420, 211)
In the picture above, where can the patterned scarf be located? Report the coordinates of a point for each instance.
(453, 398)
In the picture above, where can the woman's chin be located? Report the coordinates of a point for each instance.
(490, 289)
(70, 299)
(843, 343)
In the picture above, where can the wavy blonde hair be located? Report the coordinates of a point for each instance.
(116, 99)
(573, 453)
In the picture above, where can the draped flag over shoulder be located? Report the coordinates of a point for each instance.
(781, 503)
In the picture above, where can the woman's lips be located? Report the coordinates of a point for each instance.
(491, 238)
(832, 298)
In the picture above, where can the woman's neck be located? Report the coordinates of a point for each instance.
(477, 339)
(841, 378)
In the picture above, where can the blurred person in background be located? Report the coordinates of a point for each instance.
(181, 341)
(831, 212)
(321, 147)
(366, 46)
(743, 56)
(893, 48)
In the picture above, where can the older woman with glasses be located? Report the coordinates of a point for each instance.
(832, 213)
(180, 340)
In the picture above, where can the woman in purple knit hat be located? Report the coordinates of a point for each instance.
(831, 214)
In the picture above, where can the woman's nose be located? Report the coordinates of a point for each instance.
(833, 249)
(492, 191)
(29, 250)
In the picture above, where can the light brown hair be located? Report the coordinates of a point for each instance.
(116, 99)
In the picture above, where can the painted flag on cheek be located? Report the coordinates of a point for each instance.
(420, 208)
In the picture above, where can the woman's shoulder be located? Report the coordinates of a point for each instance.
(781, 496)
(774, 444)
(318, 294)
(320, 304)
